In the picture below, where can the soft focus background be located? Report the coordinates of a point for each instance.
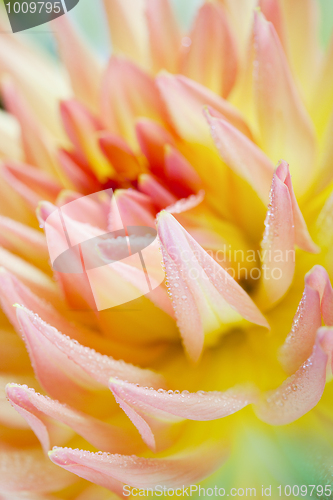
(88, 15)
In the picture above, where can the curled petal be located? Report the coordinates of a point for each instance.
(13, 355)
(79, 367)
(285, 228)
(60, 376)
(174, 471)
(104, 282)
(299, 393)
(241, 16)
(299, 342)
(13, 291)
(193, 406)
(44, 414)
(29, 470)
(285, 127)
(40, 283)
(211, 59)
(159, 195)
(242, 155)
(147, 408)
(164, 35)
(185, 100)
(186, 204)
(205, 297)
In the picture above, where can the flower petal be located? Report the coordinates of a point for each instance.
(286, 130)
(272, 11)
(185, 100)
(321, 109)
(129, 93)
(81, 63)
(164, 35)
(128, 28)
(298, 394)
(57, 373)
(8, 416)
(152, 139)
(82, 127)
(149, 408)
(37, 144)
(211, 59)
(10, 140)
(85, 182)
(300, 341)
(134, 208)
(318, 279)
(22, 239)
(79, 367)
(241, 14)
(302, 25)
(38, 410)
(205, 297)
(12, 291)
(41, 284)
(285, 228)
(30, 183)
(174, 471)
(302, 237)
(13, 354)
(37, 77)
(159, 195)
(185, 204)
(182, 176)
(119, 155)
(243, 156)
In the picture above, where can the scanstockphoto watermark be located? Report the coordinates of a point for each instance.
(188, 491)
(323, 491)
(27, 14)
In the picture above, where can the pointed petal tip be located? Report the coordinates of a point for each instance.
(302, 236)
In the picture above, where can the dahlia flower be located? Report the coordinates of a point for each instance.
(212, 363)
